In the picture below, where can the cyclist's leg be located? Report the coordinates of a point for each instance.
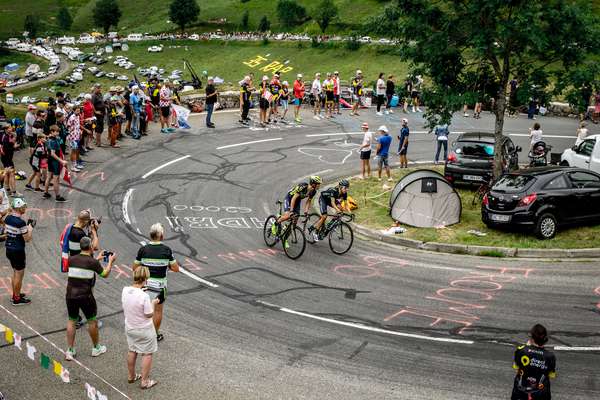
(287, 206)
(323, 211)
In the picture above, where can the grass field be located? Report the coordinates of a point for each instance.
(226, 60)
(374, 213)
(23, 59)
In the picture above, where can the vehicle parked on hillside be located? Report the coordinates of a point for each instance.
(87, 39)
(365, 39)
(471, 157)
(155, 49)
(194, 36)
(32, 69)
(66, 40)
(100, 74)
(12, 43)
(111, 75)
(78, 76)
(24, 47)
(122, 78)
(41, 75)
(60, 82)
(586, 155)
(543, 199)
(22, 81)
(93, 70)
(135, 37)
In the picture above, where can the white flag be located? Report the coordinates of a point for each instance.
(31, 351)
(18, 338)
(64, 375)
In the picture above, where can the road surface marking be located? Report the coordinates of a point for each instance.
(147, 174)
(577, 348)
(365, 327)
(245, 143)
(197, 278)
(126, 199)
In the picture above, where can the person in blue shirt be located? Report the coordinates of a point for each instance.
(136, 108)
(403, 145)
(17, 233)
(383, 151)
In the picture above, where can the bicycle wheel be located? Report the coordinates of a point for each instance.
(294, 243)
(270, 238)
(310, 221)
(341, 238)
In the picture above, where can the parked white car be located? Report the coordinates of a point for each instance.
(25, 100)
(586, 155)
(135, 37)
(194, 36)
(365, 39)
(41, 75)
(12, 43)
(155, 49)
(122, 78)
(384, 41)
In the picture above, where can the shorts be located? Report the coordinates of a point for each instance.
(263, 104)
(323, 204)
(17, 259)
(336, 98)
(329, 97)
(165, 111)
(7, 162)
(284, 104)
(383, 161)
(414, 94)
(32, 141)
(161, 294)
(99, 124)
(74, 144)
(365, 155)
(356, 99)
(54, 168)
(287, 204)
(297, 101)
(87, 305)
(402, 150)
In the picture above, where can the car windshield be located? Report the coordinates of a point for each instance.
(513, 183)
(475, 149)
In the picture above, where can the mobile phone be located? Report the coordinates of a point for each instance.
(106, 254)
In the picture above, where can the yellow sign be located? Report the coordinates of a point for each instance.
(273, 66)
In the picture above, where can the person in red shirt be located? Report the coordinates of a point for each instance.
(88, 117)
(336, 91)
(298, 96)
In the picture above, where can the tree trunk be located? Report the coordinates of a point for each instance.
(498, 128)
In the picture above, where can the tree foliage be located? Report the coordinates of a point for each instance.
(461, 47)
(264, 25)
(325, 12)
(290, 13)
(184, 12)
(65, 21)
(32, 25)
(245, 24)
(106, 14)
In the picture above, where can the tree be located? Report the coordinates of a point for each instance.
(325, 13)
(462, 46)
(245, 24)
(290, 13)
(32, 25)
(264, 24)
(106, 14)
(184, 12)
(64, 18)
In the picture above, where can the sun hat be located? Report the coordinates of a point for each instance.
(404, 121)
(365, 125)
(383, 128)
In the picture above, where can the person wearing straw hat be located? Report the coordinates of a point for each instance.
(365, 151)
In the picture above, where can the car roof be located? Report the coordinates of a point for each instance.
(487, 137)
(536, 171)
(592, 137)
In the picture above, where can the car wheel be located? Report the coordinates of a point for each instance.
(564, 164)
(546, 226)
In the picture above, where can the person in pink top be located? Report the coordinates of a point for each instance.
(336, 91)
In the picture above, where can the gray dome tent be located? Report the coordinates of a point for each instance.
(425, 199)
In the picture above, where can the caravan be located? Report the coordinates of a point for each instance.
(86, 39)
(135, 37)
(32, 70)
(25, 47)
(12, 43)
(66, 40)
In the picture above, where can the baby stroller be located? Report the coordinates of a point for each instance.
(538, 156)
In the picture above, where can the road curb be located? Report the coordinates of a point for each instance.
(489, 251)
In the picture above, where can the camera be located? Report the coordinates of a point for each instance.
(31, 222)
(106, 254)
(96, 221)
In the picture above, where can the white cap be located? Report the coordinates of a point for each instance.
(383, 128)
(210, 78)
(299, 76)
(285, 83)
(19, 202)
(87, 96)
(404, 121)
(246, 78)
(265, 78)
(358, 72)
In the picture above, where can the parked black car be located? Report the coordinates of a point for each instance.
(471, 157)
(543, 199)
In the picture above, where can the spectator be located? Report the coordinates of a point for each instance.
(114, 124)
(135, 102)
(8, 143)
(535, 135)
(89, 118)
(582, 133)
(329, 100)
(408, 85)
(2, 113)
(298, 97)
(165, 101)
(284, 96)
(99, 108)
(63, 131)
(245, 98)
(365, 151)
(211, 99)
(357, 92)
(383, 150)
(403, 143)
(18, 232)
(39, 164)
(140, 332)
(29, 121)
(265, 97)
(83, 268)
(55, 163)
(416, 93)
(441, 135)
(37, 129)
(159, 259)
(513, 101)
(336, 91)
(275, 89)
(380, 90)
(315, 94)
(74, 138)
(532, 108)
(124, 110)
(154, 92)
(50, 115)
(390, 91)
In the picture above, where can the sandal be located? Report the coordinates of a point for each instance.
(150, 384)
(137, 378)
(159, 337)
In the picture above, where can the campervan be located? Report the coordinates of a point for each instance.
(87, 39)
(134, 37)
(66, 40)
(32, 69)
(12, 43)
(26, 47)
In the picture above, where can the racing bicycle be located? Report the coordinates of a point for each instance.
(289, 233)
(338, 231)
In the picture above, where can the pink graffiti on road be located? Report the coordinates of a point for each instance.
(85, 176)
(32, 283)
(464, 297)
(245, 255)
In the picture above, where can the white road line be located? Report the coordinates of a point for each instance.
(44, 338)
(147, 174)
(245, 143)
(197, 278)
(577, 348)
(126, 199)
(368, 328)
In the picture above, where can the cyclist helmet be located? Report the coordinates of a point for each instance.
(344, 183)
(315, 180)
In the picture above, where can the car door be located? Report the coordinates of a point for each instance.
(558, 192)
(583, 153)
(586, 189)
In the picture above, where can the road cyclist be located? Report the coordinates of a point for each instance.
(293, 200)
(333, 198)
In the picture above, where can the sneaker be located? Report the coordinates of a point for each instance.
(419, 110)
(60, 199)
(316, 117)
(391, 111)
(70, 354)
(17, 194)
(46, 195)
(465, 115)
(38, 190)
(274, 229)
(75, 169)
(379, 113)
(98, 350)
(387, 112)
(20, 301)
(390, 180)
(316, 237)
(160, 337)
(28, 187)
(164, 131)
(171, 129)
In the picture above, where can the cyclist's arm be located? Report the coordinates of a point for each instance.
(307, 204)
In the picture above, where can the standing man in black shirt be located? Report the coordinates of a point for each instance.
(99, 108)
(211, 99)
(83, 268)
(17, 233)
(535, 367)
(159, 259)
(245, 96)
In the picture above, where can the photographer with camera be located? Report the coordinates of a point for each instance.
(83, 268)
(17, 233)
(159, 259)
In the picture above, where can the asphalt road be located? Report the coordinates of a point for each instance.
(246, 322)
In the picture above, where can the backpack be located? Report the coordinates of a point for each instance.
(64, 248)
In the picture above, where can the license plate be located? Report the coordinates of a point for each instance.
(500, 217)
(473, 178)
